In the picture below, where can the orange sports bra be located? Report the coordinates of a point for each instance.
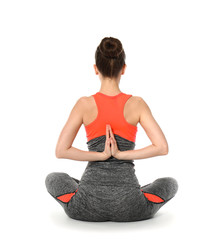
(110, 111)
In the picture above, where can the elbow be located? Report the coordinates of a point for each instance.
(164, 149)
(62, 151)
(59, 153)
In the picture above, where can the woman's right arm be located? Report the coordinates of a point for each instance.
(159, 144)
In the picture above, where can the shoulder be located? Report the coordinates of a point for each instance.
(138, 100)
(140, 103)
(84, 102)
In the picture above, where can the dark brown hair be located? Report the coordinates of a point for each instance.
(110, 57)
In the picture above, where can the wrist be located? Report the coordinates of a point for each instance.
(103, 156)
(118, 155)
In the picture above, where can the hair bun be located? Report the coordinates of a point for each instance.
(110, 47)
(110, 57)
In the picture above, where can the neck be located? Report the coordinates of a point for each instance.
(110, 86)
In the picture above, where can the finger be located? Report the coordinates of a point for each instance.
(112, 144)
(108, 127)
(111, 132)
(107, 132)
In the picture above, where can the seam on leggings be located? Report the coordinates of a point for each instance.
(146, 185)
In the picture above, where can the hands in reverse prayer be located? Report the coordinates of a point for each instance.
(111, 148)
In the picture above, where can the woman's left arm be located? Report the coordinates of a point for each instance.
(64, 147)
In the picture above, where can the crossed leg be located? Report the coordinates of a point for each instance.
(159, 193)
(61, 186)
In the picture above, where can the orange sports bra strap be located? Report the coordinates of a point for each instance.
(120, 105)
(98, 101)
(124, 100)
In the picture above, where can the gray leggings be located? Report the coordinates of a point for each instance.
(109, 203)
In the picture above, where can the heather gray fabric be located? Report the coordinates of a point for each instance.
(109, 190)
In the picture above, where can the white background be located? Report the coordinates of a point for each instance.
(174, 62)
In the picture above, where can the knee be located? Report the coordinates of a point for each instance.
(53, 179)
(172, 184)
(49, 180)
(168, 185)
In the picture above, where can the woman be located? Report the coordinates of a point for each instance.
(109, 189)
